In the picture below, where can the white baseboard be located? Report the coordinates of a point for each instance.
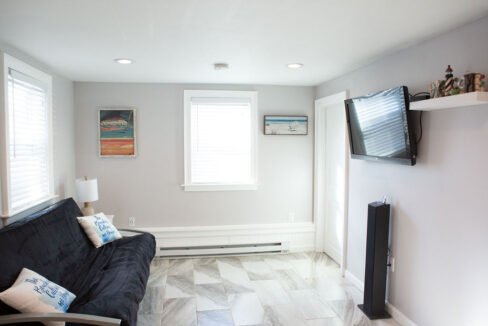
(392, 310)
(399, 316)
(299, 236)
(354, 280)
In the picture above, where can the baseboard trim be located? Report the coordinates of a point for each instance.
(399, 317)
(354, 280)
(298, 236)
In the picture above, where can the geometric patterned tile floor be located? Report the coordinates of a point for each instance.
(278, 289)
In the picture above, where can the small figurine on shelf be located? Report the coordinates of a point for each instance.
(437, 88)
(474, 82)
(458, 86)
(479, 83)
(469, 83)
(450, 86)
(449, 72)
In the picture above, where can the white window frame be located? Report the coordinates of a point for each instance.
(253, 100)
(10, 62)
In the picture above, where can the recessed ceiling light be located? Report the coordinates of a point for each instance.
(123, 61)
(295, 65)
(221, 66)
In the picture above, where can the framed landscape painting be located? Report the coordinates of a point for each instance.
(285, 125)
(117, 134)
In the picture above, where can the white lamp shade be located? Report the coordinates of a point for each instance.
(87, 190)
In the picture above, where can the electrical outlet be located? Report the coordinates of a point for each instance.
(285, 246)
(132, 221)
(392, 263)
(291, 217)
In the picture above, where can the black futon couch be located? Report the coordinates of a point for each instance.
(109, 281)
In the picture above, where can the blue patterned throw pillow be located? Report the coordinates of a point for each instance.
(99, 229)
(32, 292)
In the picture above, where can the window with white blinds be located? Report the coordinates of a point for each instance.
(28, 129)
(220, 140)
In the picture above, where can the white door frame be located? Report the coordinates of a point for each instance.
(321, 105)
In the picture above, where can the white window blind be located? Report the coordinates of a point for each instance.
(221, 141)
(29, 153)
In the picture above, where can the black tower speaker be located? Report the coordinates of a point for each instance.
(376, 261)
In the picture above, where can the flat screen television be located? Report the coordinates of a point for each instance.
(380, 127)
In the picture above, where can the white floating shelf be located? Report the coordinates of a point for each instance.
(451, 102)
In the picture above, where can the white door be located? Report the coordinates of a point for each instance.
(331, 165)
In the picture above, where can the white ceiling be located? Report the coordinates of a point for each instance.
(179, 40)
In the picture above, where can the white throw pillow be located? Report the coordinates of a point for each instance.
(99, 229)
(32, 292)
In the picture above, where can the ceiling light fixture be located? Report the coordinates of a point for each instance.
(295, 65)
(124, 61)
(221, 66)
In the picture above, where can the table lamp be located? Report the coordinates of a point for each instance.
(87, 190)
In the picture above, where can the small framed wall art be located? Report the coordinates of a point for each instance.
(117, 132)
(285, 125)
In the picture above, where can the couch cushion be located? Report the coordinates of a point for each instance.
(114, 288)
(50, 242)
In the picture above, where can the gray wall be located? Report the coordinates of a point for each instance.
(440, 220)
(148, 187)
(63, 126)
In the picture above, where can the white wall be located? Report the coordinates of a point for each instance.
(440, 206)
(63, 126)
(148, 186)
(64, 136)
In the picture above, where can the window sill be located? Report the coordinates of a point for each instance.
(219, 187)
(30, 208)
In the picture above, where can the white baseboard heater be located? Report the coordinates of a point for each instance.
(217, 250)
